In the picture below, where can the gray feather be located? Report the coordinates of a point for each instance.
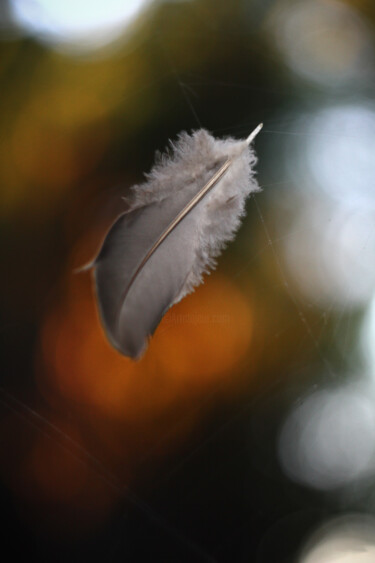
(158, 251)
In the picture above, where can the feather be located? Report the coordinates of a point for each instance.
(178, 222)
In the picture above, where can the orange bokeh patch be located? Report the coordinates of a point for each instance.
(198, 345)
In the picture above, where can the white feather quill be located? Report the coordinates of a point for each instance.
(178, 222)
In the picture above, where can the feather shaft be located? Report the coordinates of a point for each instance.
(253, 134)
(196, 199)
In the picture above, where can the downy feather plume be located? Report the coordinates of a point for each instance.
(178, 222)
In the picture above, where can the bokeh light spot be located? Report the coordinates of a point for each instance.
(348, 539)
(329, 252)
(368, 338)
(340, 153)
(87, 24)
(328, 441)
(331, 240)
(323, 41)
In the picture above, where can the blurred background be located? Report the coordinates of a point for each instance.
(247, 431)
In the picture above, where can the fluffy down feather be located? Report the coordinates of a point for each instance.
(138, 274)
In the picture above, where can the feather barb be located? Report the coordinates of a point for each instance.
(196, 199)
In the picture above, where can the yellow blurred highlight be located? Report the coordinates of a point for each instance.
(42, 155)
(70, 94)
(39, 162)
(68, 107)
(64, 125)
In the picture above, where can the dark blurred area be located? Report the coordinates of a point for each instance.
(247, 431)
